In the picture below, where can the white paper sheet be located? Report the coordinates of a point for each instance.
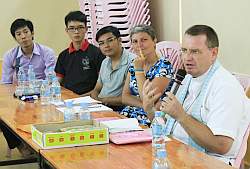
(91, 108)
(86, 99)
(122, 125)
(78, 100)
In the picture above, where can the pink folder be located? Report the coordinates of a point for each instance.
(131, 137)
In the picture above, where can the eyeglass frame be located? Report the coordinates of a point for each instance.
(107, 41)
(192, 52)
(78, 29)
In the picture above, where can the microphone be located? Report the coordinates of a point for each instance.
(179, 76)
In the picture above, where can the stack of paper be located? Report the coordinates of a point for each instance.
(78, 100)
(91, 108)
(122, 125)
(86, 99)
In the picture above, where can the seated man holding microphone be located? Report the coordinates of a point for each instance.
(209, 110)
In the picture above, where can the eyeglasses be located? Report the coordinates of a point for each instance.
(107, 41)
(185, 51)
(78, 29)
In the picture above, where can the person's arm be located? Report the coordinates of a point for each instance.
(7, 69)
(159, 83)
(96, 91)
(139, 73)
(86, 94)
(150, 97)
(49, 58)
(127, 98)
(152, 91)
(204, 136)
(113, 101)
(248, 92)
(198, 131)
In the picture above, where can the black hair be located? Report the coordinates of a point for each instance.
(20, 23)
(108, 29)
(212, 38)
(75, 16)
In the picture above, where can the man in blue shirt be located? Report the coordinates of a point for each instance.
(114, 68)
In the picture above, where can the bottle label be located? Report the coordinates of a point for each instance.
(57, 90)
(157, 130)
(47, 93)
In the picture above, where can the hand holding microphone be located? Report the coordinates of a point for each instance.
(170, 104)
(150, 96)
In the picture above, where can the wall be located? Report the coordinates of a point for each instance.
(47, 17)
(164, 18)
(230, 19)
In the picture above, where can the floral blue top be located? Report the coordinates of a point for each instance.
(162, 68)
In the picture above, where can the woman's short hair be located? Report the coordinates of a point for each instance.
(143, 28)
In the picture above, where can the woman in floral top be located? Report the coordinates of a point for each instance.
(147, 65)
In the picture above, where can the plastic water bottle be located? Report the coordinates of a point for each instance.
(69, 113)
(84, 112)
(45, 93)
(31, 79)
(21, 78)
(50, 74)
(158, 141)
(160, 160)
(56, 90)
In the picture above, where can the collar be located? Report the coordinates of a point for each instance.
(85, 45)
(201, 77)
(197, 82)
(35, 51)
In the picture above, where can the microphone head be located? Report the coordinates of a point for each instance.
(180, 75)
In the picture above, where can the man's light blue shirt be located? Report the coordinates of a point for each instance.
(113, 80)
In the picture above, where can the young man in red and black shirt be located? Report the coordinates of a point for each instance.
(78, 66)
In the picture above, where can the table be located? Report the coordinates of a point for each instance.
(19, 115)
(130, 156)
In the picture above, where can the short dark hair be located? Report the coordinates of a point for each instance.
(108, 29)
(75, 16)
(143, 28)
(20, 23)
(212, 38)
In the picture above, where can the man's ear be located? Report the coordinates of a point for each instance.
(119, 39)
(32, 33)
(214, 51)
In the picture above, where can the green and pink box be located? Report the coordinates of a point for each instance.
(69, 134)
